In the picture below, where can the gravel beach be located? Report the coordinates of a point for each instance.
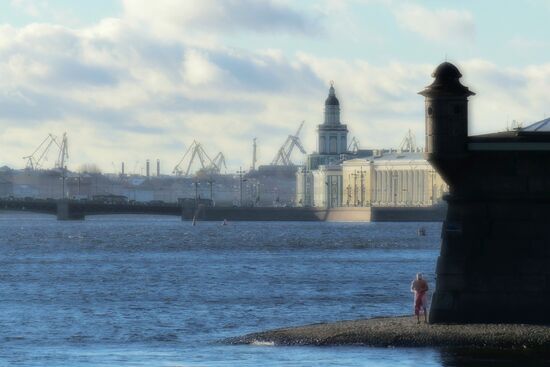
(405, 332)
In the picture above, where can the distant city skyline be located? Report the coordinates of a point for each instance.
(132, 80)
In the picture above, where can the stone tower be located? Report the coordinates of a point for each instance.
(494, 265)
(333, 135)
(446, 120)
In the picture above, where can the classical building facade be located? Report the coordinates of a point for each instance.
(391, 179)
(327, 186)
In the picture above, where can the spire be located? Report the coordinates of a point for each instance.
(332, 100)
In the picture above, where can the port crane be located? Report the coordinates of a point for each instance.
(354, 145)
(408, 144)
(217, 163)
(37, 158)
(197, 151)
(283, 157)
(63, 155)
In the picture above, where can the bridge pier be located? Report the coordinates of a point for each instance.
(68, 211)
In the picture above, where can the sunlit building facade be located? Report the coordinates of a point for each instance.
(391, 179)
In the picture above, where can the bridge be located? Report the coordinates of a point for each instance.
(66, 209)
(78, 210)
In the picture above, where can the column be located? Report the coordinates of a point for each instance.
(415, 187)
(382, 190)
(410, 187)
(386, 188)
(422, 187)
(401, 187)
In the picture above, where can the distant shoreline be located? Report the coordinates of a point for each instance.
(404, 332)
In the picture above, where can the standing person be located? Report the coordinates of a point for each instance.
(420, 288)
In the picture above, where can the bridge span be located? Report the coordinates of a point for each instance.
(78, 210)
(66, 209)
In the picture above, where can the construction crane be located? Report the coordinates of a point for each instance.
(36, 160)
(194, 151)
(408, 144)
(217, 163)
(63, 155)
(354, 145)
(283, 157)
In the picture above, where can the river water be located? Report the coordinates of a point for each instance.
(156, 291)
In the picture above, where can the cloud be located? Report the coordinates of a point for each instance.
(31, 8)
(111, 83)
(197, 69)
(176, 18)
(437, 25)
(505, 94)
(124, 94)
(44, 10)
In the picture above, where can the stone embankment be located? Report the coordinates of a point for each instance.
(405, 332)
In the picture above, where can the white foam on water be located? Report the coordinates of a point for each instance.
(260, 343)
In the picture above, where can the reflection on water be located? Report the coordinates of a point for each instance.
(493, 358)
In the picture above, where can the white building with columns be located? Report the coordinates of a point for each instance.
(327, 186)
(391, 179)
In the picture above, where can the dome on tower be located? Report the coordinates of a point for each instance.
(331, 99)
(447, 71)
(447, 82)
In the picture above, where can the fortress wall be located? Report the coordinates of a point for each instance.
(494, 264)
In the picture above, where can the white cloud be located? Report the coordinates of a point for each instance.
(123, 94)
(436, 25)
(40, 10)
(505, 94)
(135, 97)
(32, 8)
(174, 18)
(197, 69)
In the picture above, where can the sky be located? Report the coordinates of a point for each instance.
(130, 80)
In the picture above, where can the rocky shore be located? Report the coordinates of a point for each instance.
(405, 332)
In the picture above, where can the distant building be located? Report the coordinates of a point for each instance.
(312, 181)
(270, 185)
(6, 184)
(335, 177)
(319, 182)
(391, 179)
(332, 139)
(6, 188)
(327, 186)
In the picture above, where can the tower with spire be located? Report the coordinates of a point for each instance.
(319, 183)
(333, 135)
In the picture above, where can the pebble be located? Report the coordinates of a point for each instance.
(405, 332)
